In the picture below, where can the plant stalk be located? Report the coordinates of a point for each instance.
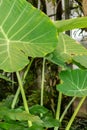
(27, 70)
(75, 113)
(67, 107)
(42, 82)
(15, 98)
(58, 108)
(23, 96)
(18, 90)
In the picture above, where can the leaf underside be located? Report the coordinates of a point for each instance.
(82, 60)
(66, 50)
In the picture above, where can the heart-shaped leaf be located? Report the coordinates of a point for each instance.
(74, 83)
(24, 31)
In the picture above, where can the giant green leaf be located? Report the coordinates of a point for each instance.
(74, 83)
(24, 31)
(70, 24)
(66, 49)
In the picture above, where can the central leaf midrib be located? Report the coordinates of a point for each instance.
(4, 34)
(7, 41)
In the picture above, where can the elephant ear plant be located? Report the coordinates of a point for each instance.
(73, 82)
(24, 32)
(27, 32)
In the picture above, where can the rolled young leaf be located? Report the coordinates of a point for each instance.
(65, 25)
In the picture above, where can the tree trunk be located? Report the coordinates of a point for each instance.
(59, 10)
(67, 12)
(84, 6)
